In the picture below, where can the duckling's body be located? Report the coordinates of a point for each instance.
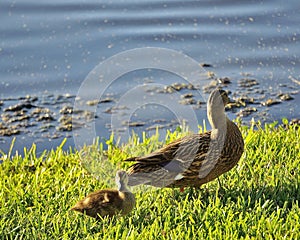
(108, 202)
(195, 159)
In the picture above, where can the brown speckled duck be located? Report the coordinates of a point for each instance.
(195, 159)
(108, 202)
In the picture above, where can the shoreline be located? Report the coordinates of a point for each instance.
(49, 118)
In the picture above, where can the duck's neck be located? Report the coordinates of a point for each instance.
(217, 118)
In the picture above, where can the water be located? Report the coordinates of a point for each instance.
(49, 48)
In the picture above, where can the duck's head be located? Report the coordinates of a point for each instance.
(122, 180)
(216, 108)
(218, 98)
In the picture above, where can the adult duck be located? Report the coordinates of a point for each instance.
(195, 159)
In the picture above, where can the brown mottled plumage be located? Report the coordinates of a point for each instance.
(195, 159)
(108, 202)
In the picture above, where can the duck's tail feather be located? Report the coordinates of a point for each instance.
(132, 159)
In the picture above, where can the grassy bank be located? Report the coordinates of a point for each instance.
(259, 200)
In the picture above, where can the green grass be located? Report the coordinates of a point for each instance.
(259, 200)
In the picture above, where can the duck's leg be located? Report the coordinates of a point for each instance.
(191, 191)
(175, 195)
(220, 185)
(221, 189)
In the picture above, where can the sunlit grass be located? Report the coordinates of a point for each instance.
(259, 199)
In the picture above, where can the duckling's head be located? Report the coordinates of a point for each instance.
(122, 180)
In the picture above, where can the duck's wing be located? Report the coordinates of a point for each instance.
(160, 156)
(166, 164)
(180, 149)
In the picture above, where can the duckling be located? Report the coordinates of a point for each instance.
(108, 202)
(195, 159)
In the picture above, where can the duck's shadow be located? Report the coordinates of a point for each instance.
(284, 195)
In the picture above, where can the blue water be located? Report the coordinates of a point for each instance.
(51, 47)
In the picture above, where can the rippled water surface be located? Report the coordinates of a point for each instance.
(47, 49)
